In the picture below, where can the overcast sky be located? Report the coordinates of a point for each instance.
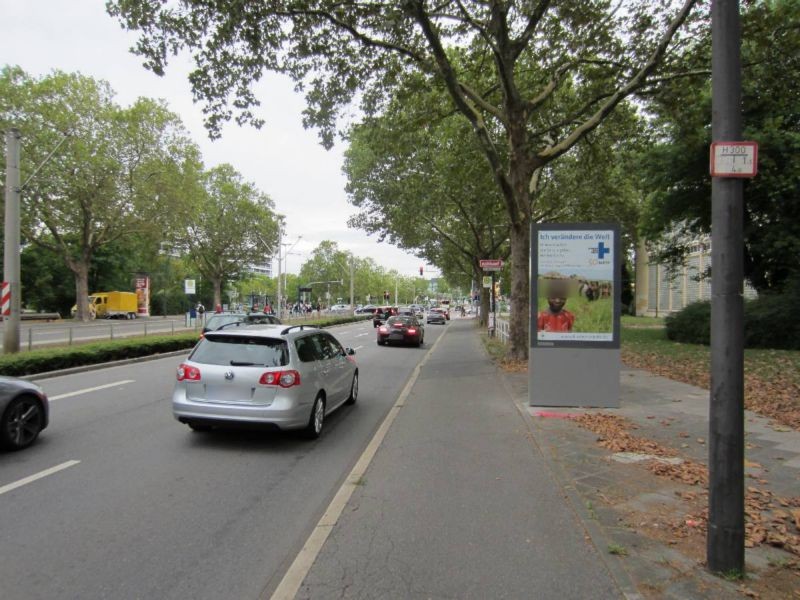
(284, 160)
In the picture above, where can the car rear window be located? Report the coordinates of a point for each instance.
(402, 320)
(216, 349)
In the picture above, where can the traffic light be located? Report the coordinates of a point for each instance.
(420, 270)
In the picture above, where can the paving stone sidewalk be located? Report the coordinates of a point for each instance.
(625, 506)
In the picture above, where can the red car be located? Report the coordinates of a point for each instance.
(401, 330)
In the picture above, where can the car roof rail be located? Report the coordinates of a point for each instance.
(300, 327)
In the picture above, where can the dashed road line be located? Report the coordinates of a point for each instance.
(37, 476)
(92, 389)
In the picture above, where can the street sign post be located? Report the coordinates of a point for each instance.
(734, 159)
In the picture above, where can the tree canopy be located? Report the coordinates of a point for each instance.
(676, 166)
(505, 67)
(111, 171)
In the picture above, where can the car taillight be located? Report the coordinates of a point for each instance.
(412, 330)
(188, 373)
(285, 379)
(383, 329)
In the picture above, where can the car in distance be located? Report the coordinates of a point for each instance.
(436, 315)
(369, 309)
(272, 375)
(383, 313)
(339, 309)
(401, 329)
(24, 412)
(224, 320)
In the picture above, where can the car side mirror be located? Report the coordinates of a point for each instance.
(349, 351)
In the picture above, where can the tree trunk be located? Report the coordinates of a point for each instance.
(81, 274)
(217, 293)
(520, 291)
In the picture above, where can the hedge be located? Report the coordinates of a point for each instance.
(770, 321)
(65, 357)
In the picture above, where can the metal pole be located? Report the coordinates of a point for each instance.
(725, 542)
(280, 294)
(352, 284)
(11, 246)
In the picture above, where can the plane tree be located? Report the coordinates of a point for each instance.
(600, 51)
(105, 172)
(230, 225)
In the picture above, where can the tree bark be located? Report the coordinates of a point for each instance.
(217, 292)
(520, 291)
(81, 274)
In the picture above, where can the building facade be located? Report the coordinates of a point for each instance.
(661, 290)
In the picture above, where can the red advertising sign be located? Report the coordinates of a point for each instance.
(491, 264)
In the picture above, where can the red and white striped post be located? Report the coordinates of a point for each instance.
(5, 298)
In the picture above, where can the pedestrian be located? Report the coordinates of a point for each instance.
(218, 308)
(201, 310)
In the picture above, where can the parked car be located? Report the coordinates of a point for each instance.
(224, 320)
(402, 330)
(273, 375)
(383, 313)
(436, 315)
(24, 412)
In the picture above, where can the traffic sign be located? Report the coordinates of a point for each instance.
(734, 159)
(491, 264)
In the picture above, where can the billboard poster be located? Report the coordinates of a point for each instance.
(143, 295)
(575, 287)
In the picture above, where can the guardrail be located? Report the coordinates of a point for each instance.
(68, 332)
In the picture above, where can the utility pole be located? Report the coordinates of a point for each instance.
(725, 542)
(352, 284)
(280, 296)
(11, 270)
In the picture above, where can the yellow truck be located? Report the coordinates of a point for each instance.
(112, 305)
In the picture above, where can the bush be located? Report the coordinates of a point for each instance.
(53, 359)
(692, 325)
(770, 321)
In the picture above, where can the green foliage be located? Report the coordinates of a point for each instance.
(770, 321)
(531, 81)
(113, 174)
(231, 225)
(692, 325)
(676, 169)
(53, 359)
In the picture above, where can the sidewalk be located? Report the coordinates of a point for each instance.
(471, 495)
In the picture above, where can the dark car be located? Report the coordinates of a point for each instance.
(24, 412)
(436, 315)
(383, 313)
(401, 330)
(226, 320)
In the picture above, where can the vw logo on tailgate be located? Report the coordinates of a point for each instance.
(228, 374)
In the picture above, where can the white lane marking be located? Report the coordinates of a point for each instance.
(40, 475)
(93, 389)
(362, 334)
(293, 578)
(358, 348)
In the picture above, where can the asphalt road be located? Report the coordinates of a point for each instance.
(129, 503)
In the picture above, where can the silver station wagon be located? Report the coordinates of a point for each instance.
(287, 377)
